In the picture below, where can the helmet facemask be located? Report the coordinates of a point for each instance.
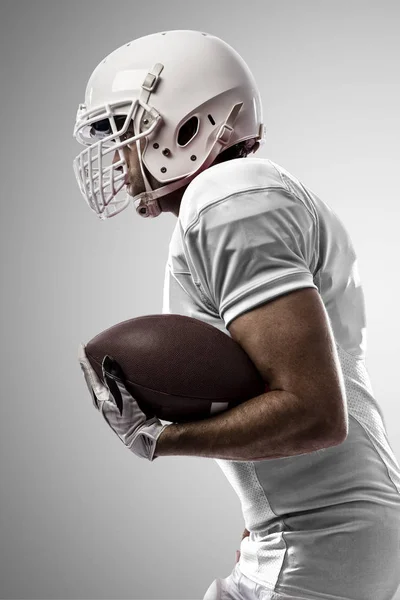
(106, 131)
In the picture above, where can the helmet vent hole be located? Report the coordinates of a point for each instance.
(211, 120)
(187, 131)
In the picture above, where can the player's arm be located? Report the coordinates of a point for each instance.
(290, 342)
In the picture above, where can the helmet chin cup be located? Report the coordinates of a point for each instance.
(147, 207)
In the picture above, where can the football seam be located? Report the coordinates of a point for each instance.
(216, 399)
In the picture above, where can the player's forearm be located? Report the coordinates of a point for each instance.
(273, 425)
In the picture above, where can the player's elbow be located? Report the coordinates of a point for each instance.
(333, 427)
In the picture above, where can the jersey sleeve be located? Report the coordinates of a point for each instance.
(249, 248)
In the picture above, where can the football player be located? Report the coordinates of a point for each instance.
(169, 123)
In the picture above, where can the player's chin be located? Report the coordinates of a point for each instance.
(130, 190)
(133, 189)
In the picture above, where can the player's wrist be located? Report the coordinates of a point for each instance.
(145, 440)
(167, 441)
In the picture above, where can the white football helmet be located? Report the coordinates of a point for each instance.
(188, 93)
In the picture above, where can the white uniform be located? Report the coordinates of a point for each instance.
(323, 525)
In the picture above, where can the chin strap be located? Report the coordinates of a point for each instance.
(148, 87)
(146, 203)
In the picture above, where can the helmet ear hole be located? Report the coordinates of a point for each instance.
(187, 131)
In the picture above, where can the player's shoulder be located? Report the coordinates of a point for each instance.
(224, 180)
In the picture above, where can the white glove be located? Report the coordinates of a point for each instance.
(121, 411)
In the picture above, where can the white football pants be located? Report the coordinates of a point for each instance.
(239, 587)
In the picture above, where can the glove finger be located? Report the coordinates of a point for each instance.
(127, 405)
(111, 367)
(112, 371)
(94, 398)
(95, 386)
(87, 368)
(114, 391)
(82, 359)
(114, 378)
(88, 383)
(131, 415)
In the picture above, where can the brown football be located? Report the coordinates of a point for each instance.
(178, 368)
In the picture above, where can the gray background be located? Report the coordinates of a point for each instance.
(80, 516)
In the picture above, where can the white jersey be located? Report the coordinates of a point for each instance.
(323, 525)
